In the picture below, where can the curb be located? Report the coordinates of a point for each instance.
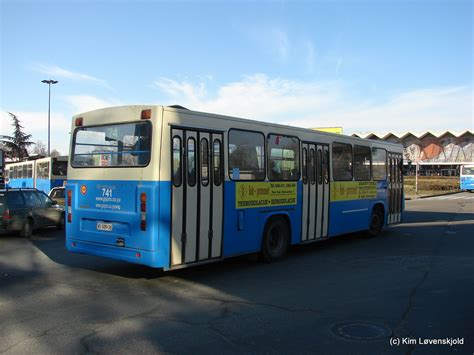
(427, 196)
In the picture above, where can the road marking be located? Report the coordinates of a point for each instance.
(443, 198)
(434, 224)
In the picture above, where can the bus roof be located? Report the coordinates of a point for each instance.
(182, 110)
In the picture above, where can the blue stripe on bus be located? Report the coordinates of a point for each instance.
(466, 183)
(249, 238)
(46, 185)
(21, 183)
(348, 216)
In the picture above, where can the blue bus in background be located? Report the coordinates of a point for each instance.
(42, 174)
(172, 188)
(51, 172)
(21, 174)
(466, 178)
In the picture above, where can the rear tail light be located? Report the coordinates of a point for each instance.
(143, 211)
(146, 114)
(78, 121)
(69, 206)
(6, 215)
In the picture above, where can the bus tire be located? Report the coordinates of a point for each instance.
(276, 237)
(27, 230)
(376, 221)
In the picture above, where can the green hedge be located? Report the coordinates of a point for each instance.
(432, 183)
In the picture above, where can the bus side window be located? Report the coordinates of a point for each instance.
(246, 155)
(191, 161)
(46, 170)
(177, 166)
(283, 157)
(362, 163)
(342, 161)
(204, 162)
(217, 162)
(379, 164)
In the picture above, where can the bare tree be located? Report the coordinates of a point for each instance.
(39, 149)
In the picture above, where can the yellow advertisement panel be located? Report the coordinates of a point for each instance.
(353, 190)
(265, 194)
(337, 130)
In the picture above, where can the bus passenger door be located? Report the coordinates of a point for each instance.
(395, 188)
(197, 196)
(325, 199)
(315, 178)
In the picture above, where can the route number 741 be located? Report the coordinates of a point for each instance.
(107, 192)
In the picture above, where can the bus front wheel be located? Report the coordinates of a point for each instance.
(275, 239)
(376, 221)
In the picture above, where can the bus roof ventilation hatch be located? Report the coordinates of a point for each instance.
(178, 106)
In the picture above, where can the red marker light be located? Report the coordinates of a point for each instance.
(146, 114)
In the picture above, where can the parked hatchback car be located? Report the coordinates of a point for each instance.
(24, 210)
(57, 194)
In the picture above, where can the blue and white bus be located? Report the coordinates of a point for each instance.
(170, 188)
(51, 172)
(43, 174)
(21, 174)
(2, 169)
(466, 178)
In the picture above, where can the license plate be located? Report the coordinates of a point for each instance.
(106, 227)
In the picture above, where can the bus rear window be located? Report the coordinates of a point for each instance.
(59, 167)
(117, 145)
(467, 170)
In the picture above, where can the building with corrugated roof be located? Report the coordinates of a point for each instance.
(436, 153)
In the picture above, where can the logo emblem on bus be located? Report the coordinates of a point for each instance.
(243, 191)
(83, 189)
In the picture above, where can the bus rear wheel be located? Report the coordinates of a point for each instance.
(275, 241)
(376, 221)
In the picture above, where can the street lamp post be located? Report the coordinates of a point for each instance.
(49, 82)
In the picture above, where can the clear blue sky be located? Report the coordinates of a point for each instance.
(363, 65)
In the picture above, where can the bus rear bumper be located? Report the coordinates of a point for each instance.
(136, 256)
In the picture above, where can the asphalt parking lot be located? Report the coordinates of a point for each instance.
(354, 295)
